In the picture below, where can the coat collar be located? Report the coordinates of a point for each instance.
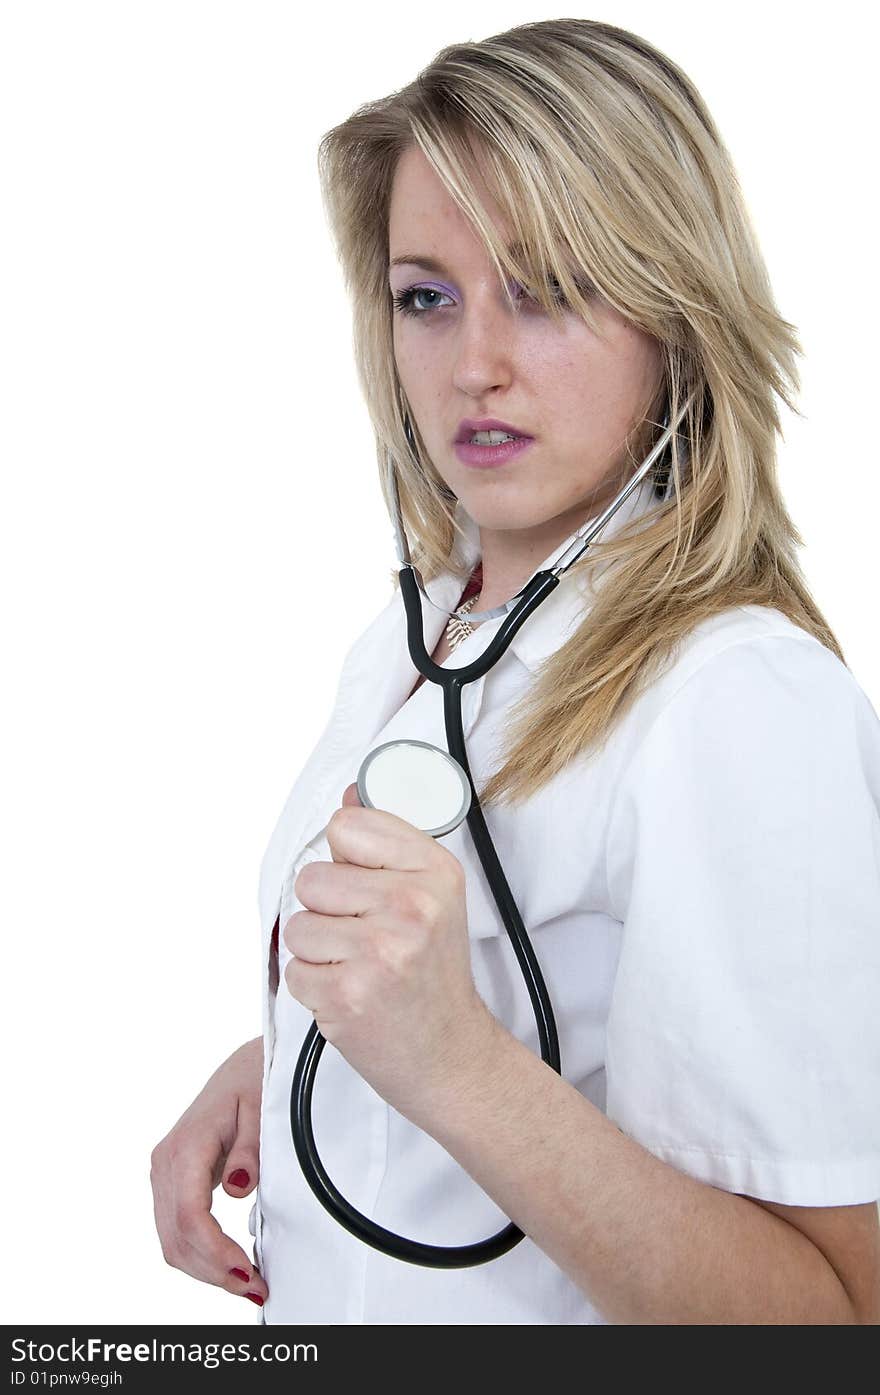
(557, 617)
(379, 665)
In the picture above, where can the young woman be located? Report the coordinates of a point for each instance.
(543, 234)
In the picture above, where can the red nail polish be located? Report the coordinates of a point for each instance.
(240, 1274)
(255, 1298)
(239, 1178)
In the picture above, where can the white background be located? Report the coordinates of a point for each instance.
(185, 450)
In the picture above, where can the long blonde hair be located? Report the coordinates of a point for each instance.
(599, 151)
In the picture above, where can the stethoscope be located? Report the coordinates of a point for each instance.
(433, 790)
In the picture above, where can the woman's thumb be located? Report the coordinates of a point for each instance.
(241, 1169)
(240, 1173)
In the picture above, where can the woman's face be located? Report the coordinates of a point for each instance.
(464, 352)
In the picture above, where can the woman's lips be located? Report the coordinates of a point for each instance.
(483, 457)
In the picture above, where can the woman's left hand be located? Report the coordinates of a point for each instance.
(383, 955)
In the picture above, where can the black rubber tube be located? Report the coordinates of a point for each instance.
(452, 682)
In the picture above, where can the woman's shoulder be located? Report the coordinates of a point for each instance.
(741, 632)
(738, 682)
(743, 654)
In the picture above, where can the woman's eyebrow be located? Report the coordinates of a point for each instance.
(414, 259)
(432, 264)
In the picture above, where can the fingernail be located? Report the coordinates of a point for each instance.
(240, 1274)
(239, 1178)
(255, 1298)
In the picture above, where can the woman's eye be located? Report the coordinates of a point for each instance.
(555, 290)
(405, 301)
(407, 304)
(553, 287)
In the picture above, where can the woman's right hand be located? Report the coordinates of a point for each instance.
(217, 1137)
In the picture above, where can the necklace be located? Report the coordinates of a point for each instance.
(458, 630)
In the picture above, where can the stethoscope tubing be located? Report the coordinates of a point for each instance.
(452, 681)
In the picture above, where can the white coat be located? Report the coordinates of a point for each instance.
(704, 901)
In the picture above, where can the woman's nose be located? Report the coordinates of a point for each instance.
(485, 352)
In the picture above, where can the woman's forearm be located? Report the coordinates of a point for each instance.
(644, 1242)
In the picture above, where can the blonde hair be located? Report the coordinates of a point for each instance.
(600, 152)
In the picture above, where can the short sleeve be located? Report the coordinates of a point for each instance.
(743, 1036)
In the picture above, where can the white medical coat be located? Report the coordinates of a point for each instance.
(704, 901)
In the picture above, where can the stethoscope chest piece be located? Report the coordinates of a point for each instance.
(417, 782)
(433, 791)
